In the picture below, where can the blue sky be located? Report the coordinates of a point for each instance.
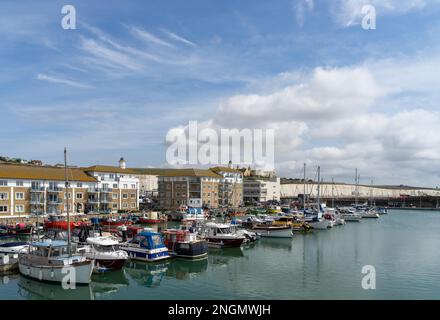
(133, 70)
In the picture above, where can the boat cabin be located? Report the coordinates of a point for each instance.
(148, 240)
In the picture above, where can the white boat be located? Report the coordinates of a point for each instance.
(319, 223)
(221, 235)
(269, 231)
(351, 217)
(370, 214)
(105, 251)
(13, 247)
(50, 261)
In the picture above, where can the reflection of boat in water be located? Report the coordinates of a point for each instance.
(147, 274)
(274, 243)
(37, 290)
(222, 256)
(108, 283)
(184, 269)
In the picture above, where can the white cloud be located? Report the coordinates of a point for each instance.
(150, 38)
(59, 80)
(176, 37)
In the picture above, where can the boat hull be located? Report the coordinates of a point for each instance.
(274, 233)
(56, 274)
(320, 225)
(110, 264)
(146, 255)
(189, 250)
(225, 243)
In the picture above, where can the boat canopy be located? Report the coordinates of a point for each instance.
(50, 243)
(102, 241)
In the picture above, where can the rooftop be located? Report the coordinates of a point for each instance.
(225, 169)
(30, 172)
(190, 173)
(110, 169)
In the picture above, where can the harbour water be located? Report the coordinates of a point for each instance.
(403, 246)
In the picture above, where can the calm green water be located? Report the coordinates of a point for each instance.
(403, 246)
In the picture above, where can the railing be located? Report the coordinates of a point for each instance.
(54, 189)
(36, 189)
(106, 190)
(105, 200)
(93, 200)
(36, 201)
(55, 201)
(92, 190)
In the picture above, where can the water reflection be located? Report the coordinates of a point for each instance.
(147, 273)
(186, 269)
(223, 256)
(102, 285)
(274, 243)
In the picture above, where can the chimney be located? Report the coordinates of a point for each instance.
(122, 164)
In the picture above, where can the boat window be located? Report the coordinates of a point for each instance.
(157, 240)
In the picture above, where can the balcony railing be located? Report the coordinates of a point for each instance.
(105, 200)
(54, 189)
(37, 189)
(36, 201)
(93, 200)
(92, 190)
(55, 201)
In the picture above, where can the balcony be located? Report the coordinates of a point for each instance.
(92, 190)
(106, 200)
(37, 201)
(54, 189)
(37, 189)
(93, 200)
(106, 190)
(55, 201)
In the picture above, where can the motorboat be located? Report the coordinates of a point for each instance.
(222, 235)
(150, 217)
(146, 246)
(105, 251)
(13, 247)
(293, 222)
(272, 231)
(350, 215)
(193, 214)
(317, 222)
(370, 214)
(51, 261)
(185, 243)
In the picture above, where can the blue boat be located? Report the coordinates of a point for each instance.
(146, 246)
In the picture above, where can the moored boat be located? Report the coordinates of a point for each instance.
(146, 246)
(185, 244)
(150, 217)
(8, 263)
(13, 247)
(105, 251)
(271, 231)
(221, 235)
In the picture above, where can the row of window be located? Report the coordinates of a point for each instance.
(19, 208)
(79, 195)
(53, 185)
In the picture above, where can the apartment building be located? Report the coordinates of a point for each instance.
(29, 189)
(117, 188)
(230, 187)
(190, 187)
(261, 189)
(26, 189)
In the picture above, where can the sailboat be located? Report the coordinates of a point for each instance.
(316, 220)
(54, 260)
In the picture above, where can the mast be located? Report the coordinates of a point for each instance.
(304, 195)
(333, 193)
(319, 186)
(356, 187)
(67, 201)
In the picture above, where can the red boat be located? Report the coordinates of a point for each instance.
(58, 225)
(114, 223)
(20, 229)
(150, 217)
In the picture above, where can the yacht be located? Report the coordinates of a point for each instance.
(146, 246)
(105, 251)
(47, 261)
(221, 235)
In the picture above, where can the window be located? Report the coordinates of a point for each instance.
(79, 207)
(3, 209)
(133, 205)
(115, 206)
(79, 185)
(114, 195)
(133, 186)
(4, 196)
(115, 185)
(133, 196)
(79, 195)
(112, 176)
(125, 186)
(125, 205)
(19, 195)
(19, 183)
(3, 183)
(125, 196)
(19, 208)
(69, 195)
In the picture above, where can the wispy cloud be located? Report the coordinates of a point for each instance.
(300, 8)
(151, 38)
(176, 37)
(53, 79)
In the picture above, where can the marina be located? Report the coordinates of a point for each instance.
(321, 264)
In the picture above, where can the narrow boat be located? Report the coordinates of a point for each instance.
(271, 231)
(13, 247)
(105, 251)
(146, 246)
(48, 261)
(221, 235)
(8, 263)
(185, 244)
